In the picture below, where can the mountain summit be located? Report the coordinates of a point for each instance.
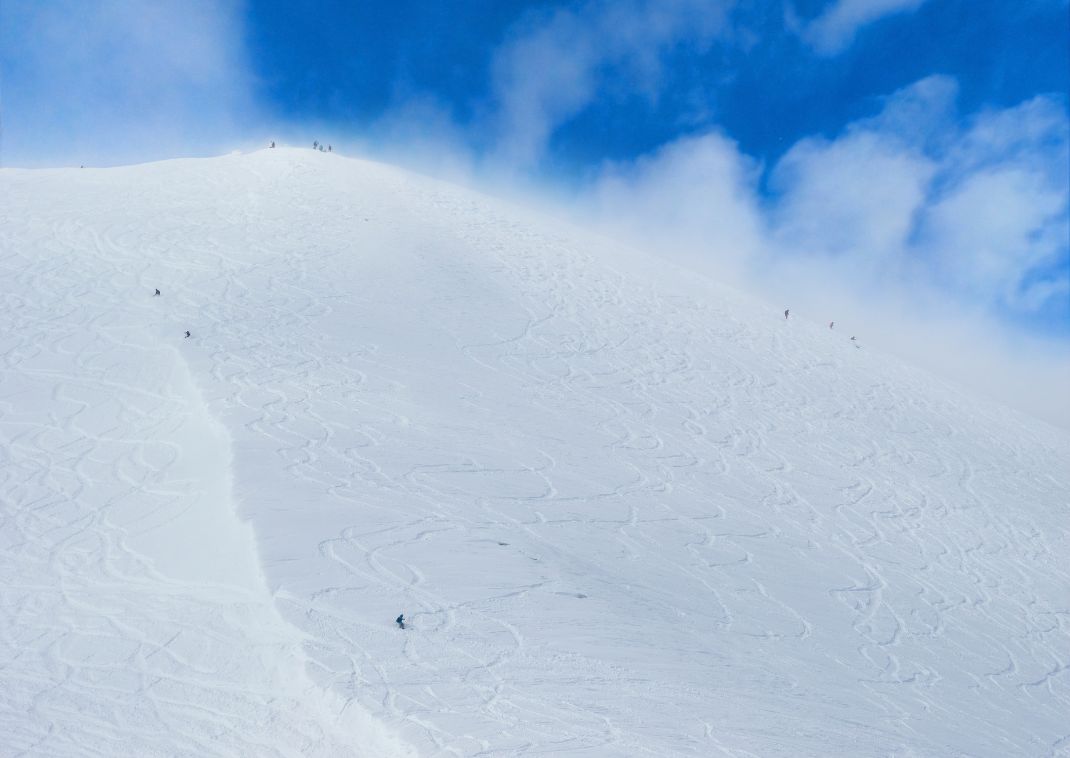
(622, 510)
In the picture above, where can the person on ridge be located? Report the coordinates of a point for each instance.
(400, 620)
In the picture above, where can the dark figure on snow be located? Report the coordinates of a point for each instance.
(400, 620)
(156, 293)
(831, 324)
(328, 148)
(786, 312)
(187, 334)
(273, 143)
(315, 144)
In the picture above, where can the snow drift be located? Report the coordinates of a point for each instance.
(626, 511)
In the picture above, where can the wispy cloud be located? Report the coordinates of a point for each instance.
(553, 65)
(106, 82)
(835, 28)
(853, 197)
(998, 225)
(977, 207)
(696, 196)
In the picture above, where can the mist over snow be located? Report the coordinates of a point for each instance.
(905, 229)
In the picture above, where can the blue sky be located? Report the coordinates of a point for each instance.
(906, 154)
(760, 80)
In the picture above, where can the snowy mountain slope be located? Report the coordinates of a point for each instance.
(133, 615)
(625, 511)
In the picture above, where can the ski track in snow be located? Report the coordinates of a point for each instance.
(134, 620)
(626, 513)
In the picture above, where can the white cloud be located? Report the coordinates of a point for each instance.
(922, 115)
(696, 195)
(856, 196)
(979, 209)
(994, 230)
(998, 224)
(907, 198)
(554, 65)
(834, 30)
(1032, 135)
(110, 80)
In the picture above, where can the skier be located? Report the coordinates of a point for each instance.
(272, 143)
(156, 293)
(315, 144)
(400, 620)
(831, 324)
(786, 312)
(187, 334)
(328, 148)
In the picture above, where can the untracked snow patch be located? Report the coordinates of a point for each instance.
(625, 511)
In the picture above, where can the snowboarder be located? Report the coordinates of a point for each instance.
(831, 324)
(400, 620)
(273, 144)
(156, 293)
(187, 334)
(786, 312)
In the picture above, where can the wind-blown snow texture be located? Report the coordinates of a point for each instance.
(627, 512)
